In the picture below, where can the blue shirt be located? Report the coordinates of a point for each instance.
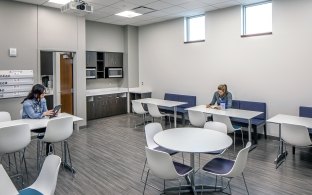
(227, 98)
(34, 109)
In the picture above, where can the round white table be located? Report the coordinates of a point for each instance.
(193, 140)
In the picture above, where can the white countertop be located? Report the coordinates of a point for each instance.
(139, 90)
(105, 91)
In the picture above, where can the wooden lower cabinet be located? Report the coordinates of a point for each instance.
(106, 105)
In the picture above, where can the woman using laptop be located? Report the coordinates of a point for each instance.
(221, 96)
(34, 105)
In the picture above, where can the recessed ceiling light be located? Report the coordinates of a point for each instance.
(128, 14)
(63, 2)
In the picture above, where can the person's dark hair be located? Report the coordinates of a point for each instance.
(37, 89)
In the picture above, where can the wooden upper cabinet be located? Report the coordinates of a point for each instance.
(113, 59)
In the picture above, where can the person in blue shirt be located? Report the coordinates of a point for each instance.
(222, 95)
(35, 105)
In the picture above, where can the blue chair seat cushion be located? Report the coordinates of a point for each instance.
(244, 122)
(181, 168)
(29, 191)
(217, 152)
(170, 110)
(219, 166)
(162, 149)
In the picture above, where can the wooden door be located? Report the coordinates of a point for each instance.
(66, 83)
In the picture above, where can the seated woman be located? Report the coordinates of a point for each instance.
(34, 105)
(222, 95)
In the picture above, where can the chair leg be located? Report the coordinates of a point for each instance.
(26, 170)
(216, 183)
(179, 187)
(143, 169)
(234, 142)
(69, 157)
(294, 150)
(183, 157)
(164, 184)
(245, 183)
(243, 137)
(265, 131)
(145, 181)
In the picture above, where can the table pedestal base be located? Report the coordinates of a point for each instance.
(280, 158)
(194, 189)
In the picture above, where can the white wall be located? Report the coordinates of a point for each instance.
(274, 69)
(32, 28)
(104, 37)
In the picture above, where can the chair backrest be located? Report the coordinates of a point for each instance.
(137, 107)
(254, 106)
(153, 110)
(197, 118)
(4, 116)
(58, 129)
(160, 163)
(191, 100)
(305, 111)
(14, 138)
(235, 104)
(240, 162)
(217, 126)
(21, 113)
(47, 179)
(295, 135)
(224, 119)
(151, 130)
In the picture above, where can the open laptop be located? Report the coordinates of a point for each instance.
(56, 109)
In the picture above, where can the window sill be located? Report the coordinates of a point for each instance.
(257, 34)
(198, 41)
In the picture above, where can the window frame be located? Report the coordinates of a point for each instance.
(187, 29)
(243, 34)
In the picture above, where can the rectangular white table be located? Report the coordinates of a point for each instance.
(37, 123)
(287, 119)
(237, 113)
(165, 103)
(6, 185)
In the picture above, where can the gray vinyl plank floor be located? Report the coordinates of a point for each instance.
(109, 155)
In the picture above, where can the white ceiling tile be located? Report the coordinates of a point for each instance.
(95, 16)
(177, 2)
(96, 6)
(158, 14)
(140, 2)
(37, 2)
(246, 2)
(226, 4)
(158, 5)
(110, 19)
(123, 6)
(103, 2)
(211, 2)
(107, 10)
(174, 10)
(193, 5)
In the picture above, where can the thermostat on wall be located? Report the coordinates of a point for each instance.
(13, 52)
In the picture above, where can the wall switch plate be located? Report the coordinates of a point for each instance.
(13, 52)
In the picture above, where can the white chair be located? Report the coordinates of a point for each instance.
(196, 118)
(4, 116)
(216, 126)
(153, 110)
(161, 165)
(138, 109)
(296, 135)
(47, 179)
(58, 130)
(230, 128)
(151, 130)
(228, 168)
(14, 139)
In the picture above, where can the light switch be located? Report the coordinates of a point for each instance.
(13, 52)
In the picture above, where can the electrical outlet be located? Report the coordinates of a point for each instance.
(141, 83)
